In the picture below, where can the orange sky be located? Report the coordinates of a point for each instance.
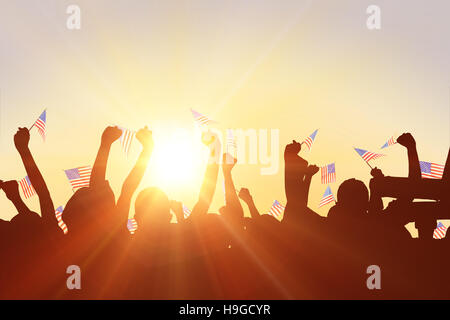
(288, 65)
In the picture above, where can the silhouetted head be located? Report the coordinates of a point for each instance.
(91, 210)
(152, 207)
(353, 196)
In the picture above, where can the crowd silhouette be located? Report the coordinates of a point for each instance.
(226, 255)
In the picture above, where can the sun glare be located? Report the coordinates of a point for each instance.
(176, 160)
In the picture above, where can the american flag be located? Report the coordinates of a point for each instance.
(440, 231)
(79, 177)
(61, 224)
(132, 225)
(231, 143)
(309, 141)
(327, 197)
(431, 170)
(276, 210)
(200, 119)
(328, 174)
(27, 188)
(389, 143)
(367, 155)
(40, 124)
(125, 139)
(186, 212)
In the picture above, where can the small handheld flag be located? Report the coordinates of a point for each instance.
(389, 143)
(200, 119)
(79, 177)
(126, 139)
(440, 231)
(276, 210)
(327, 197)
(61, 224)
(431, 170)
(231, 145)
(27, 188)
(186, 212)
(328, 173)
(309, 140)
(132, 225)
(40, 124)
(367, 155)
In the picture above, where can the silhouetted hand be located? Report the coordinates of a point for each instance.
(245, 195)
(228, 162)
(211, 140)
(292, 148)
(291, 156)
(11, 189)
(21, 139)
(1, 182)
(312, 169)
(407, 140)
(377, 173)
(208, 138)
(111, 134)
(145, 137)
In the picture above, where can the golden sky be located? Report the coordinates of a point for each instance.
(290, 65)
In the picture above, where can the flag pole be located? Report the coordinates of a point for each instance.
(364, 160)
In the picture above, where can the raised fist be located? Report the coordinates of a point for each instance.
(245, 195)
(145, 137)
(228, 162)
(406, 140)
(22, 138)
(111, 134)
(11, 189)
(312, 169)
(292, 148)
(212, 141)
(377, 173)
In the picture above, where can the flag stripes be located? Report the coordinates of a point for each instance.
(27, 188)
(132, 225)
(309, 140)
(126, 139)
(61, 224)
(389, 143)
(186, 212)
(40, 124)
(276, 210)
(431, 170)
(327, 197)
(328, 173)
(79, 177)
(201, 119)
(367, 155)
(440, 231)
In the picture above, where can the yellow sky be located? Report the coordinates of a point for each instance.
(290, 65)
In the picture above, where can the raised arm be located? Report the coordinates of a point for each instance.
(310, 172)
(245, 195)
(177, 208)
(110, 134)
(21, 140)
(375, 202)
(131, 183)
(11, 189)
(294, 171)
(407, 140)
(233, 205)
(210, 179)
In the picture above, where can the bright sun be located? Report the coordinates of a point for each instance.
(176, 160)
